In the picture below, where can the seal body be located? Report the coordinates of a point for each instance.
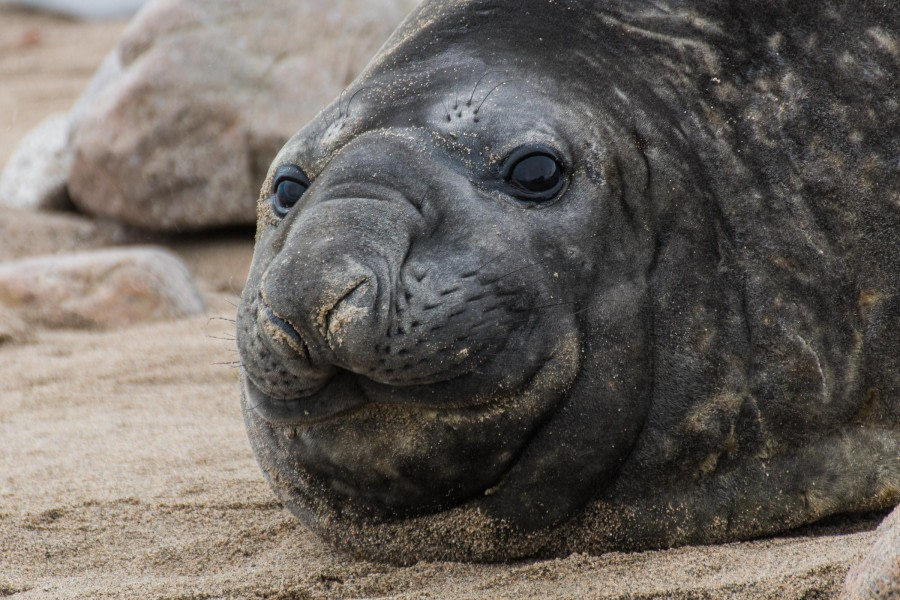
(579, 276)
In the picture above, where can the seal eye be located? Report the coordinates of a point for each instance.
(534, 174)
(290, 184)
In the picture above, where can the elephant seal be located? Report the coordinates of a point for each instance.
(558, 276)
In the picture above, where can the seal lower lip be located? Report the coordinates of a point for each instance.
(337, 396)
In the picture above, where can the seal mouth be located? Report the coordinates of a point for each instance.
(296, 374)
(346, 391)
(320, 406)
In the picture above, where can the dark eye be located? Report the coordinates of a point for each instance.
(534, 174)
(290, 183)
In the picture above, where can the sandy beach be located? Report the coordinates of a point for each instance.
(125, 471)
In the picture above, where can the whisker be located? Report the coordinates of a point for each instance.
(514, 271)
(547, 306)
(498, 257)
(223, 338)
(531, 266)
(483, 100)
(340, 103)
(356, 93)
(230, 363)
(226, 319)
(475, 89)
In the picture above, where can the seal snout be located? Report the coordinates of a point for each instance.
(323, 309)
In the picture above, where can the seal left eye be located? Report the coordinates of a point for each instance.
(534, 174)
(290, 184)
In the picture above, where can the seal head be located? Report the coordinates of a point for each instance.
(425, 296)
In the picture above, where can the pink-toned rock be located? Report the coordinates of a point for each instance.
(99, 289)
(187, 113)
(877, 575)
(25, 232)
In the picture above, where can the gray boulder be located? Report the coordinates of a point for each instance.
(179, 128)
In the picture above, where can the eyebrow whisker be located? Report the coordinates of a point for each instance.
(475, 89)
(354, 96)
(483, 100)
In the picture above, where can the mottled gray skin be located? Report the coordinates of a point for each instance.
(697, 340)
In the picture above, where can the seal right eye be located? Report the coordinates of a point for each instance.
(290, 184)
(534, 173)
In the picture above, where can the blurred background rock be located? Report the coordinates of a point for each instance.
(83, 9)
(177, 128)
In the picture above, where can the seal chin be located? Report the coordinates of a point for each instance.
(380, 452)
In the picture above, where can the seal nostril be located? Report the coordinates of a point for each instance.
(283, 326)
(350, 308)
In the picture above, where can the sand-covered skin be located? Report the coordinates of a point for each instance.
(125, 470)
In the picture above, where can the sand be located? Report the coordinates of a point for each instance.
(124, 467)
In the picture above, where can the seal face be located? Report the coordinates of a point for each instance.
(535, 284)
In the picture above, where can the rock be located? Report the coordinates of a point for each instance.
(877, 575)
(83, 9)
(99, 289)
(12, 328)
(199, 95)
(26, 233)
(35, 175)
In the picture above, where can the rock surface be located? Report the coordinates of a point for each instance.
(180, 126)
(35, 176)
(83, 9)
(100, 289)
(12, 328)
(27, 233)
(877, 576)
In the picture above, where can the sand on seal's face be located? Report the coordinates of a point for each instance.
(125, 470)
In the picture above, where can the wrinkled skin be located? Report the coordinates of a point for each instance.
(694, 340)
